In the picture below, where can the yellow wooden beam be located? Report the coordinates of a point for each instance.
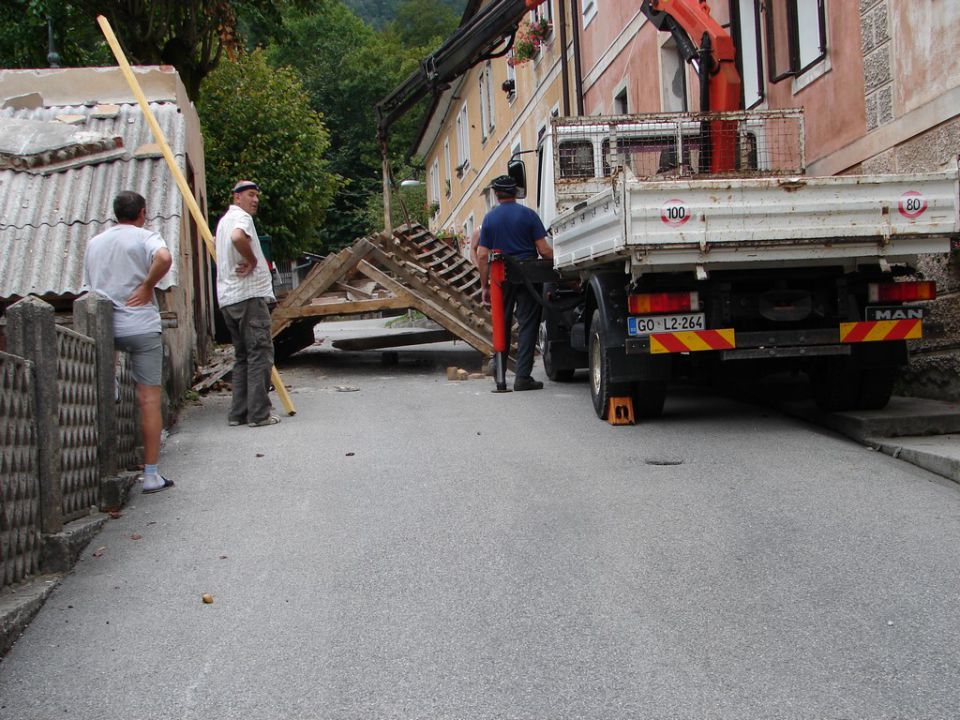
(181, 181)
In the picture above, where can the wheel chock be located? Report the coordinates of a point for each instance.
(620, 411)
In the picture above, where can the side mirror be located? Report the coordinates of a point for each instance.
(518, 171)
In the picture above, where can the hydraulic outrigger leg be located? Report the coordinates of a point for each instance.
(501, 344)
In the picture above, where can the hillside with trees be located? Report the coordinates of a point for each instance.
(308, 73)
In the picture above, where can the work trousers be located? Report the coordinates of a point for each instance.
(249, 324)
(517, 299)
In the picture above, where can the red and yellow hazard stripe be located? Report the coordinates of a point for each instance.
(877, 330)
(693, 341)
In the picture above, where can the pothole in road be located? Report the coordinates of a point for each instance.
(663, 461)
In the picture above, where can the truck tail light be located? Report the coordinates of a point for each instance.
(650, 303)
(902, 291)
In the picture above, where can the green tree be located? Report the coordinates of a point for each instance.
(379, 13)
(424, 22)
(23, 35)
(191, 35)
(258, 124)
(347, 67)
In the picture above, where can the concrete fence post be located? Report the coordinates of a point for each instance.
(32, 334)
(93, 316)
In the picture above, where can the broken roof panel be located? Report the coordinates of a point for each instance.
(47, 146)
(47, 219)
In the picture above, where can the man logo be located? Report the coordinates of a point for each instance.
(895, 313)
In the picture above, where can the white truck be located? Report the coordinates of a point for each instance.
(672, 267)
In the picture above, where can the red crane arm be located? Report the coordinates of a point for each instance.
(695, 18)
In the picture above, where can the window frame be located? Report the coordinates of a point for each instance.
(447, 166)
(738, 29)
(621, 92)
(486, 100)
(463, 139)
(435, 185)
(667, 45)
(588, 11)
(794, 68)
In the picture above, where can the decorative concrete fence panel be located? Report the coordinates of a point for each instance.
(19, 484)
(77, 419)
(63, 433)
(128, 416)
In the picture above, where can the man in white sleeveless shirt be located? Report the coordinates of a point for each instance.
(124, 264)
(245, 291)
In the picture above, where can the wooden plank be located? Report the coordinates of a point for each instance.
(304, 292)
(440, 261)
(351, 290)
(343, 308)
(396, 339)
(430, 253)
(386, 261)
(346, 260)
(432, 308)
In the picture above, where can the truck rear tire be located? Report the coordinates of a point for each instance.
(601, 389)
(876, 387)
(550, 370)
(835, 384)
(841, 384)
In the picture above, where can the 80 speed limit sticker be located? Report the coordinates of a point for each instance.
(912, 204)
(674, 212)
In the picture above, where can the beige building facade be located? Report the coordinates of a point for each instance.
(496, 110)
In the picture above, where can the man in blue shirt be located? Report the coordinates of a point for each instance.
(516, 231)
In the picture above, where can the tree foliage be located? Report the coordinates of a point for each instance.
(24, 38)
(344, 64)
(258, 125)
(424, 23)
(191, 35)
(346, 67)
(380, 13)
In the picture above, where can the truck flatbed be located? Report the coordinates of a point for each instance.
(682, 224)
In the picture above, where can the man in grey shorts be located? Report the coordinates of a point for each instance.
(124, 264)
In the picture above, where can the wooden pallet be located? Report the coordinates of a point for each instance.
(409, 270)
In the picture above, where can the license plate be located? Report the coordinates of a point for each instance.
(641, 326)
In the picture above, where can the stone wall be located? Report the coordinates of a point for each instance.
(935, 361)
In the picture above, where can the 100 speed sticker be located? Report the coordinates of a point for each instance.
(674, 212)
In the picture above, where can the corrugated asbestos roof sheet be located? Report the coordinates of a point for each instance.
(46, 220)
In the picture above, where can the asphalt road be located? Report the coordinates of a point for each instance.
(418, 548)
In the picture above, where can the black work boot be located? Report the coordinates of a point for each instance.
(526, 383)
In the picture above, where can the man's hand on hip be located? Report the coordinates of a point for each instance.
(244, 268)
(143, 295)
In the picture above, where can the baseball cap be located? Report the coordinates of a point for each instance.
(504, 184)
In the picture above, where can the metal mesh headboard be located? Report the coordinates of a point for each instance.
(679, 145)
